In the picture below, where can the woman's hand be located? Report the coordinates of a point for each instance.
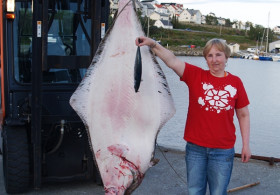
(141, 41)
(246, 154)
(164, 54)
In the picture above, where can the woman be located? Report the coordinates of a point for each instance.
(214, 95)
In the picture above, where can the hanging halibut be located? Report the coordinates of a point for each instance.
(122, 124)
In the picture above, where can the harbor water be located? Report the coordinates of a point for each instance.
(262, 83)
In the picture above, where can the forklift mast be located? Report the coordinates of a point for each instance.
(46, 47)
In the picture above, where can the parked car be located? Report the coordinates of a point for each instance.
(251, 50)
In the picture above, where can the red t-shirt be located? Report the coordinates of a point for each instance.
(212, 101)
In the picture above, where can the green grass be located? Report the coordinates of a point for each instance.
(177, 38)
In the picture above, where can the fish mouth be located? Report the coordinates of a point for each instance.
(124, 170)
(135, 176)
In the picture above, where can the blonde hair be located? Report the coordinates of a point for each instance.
(219, 44)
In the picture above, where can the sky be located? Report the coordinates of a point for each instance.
(262, 12)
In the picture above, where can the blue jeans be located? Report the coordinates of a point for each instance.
(208, 165)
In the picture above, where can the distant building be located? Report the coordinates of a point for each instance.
(148, 1)
(185, 16)
(221, 21)
(163, 24)
(161, 9)
(274, 46)
(174, 4)
(155, 16)
(203, 19)
(195, 16)
(167, 4)
(148, 9)
(174, 10)
(190, 15)
(276, 29)
(151, 8)
(159, 16)
(240, 25)
(234, 47)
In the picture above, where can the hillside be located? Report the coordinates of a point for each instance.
(198, 35)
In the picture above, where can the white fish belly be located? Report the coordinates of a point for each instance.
(123, 125)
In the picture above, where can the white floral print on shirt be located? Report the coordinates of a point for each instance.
(216, 99)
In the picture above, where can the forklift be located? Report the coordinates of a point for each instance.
(46, 47)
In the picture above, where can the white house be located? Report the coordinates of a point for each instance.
(276, 29)
(196, 16)
(221, 21)
(155, 16)
(190, 15)
(159, 16)
(275, 45)
(161, 9)
(164, 16)
(185, 16)
(234, 47)
(174, 10)
(163, 24)
(147, 9)
(179, 8)
(240, 25)
(234, 25)
(203, 19)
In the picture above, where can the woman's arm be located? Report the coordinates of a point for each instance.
(164, 54)
(243, 117)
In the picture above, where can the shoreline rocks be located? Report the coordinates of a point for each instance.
(185, 51)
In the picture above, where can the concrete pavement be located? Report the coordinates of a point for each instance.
(163, 180)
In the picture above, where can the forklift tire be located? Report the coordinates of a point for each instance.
(16, 161)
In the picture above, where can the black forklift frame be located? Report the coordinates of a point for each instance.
(39, 57)
(36, 90)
